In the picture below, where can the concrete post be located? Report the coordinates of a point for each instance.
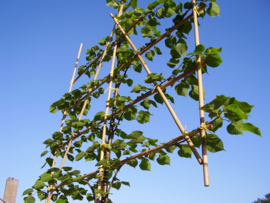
(11, 190)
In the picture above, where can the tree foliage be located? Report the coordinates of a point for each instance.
(134, 148)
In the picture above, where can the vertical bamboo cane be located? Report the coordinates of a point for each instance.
(177, 121)
(201, 102)
(106, 113)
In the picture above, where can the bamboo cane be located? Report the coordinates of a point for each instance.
(140, 53)
(70, 87)
(106, 113)
(113, 44)
(146, 153)
(139, 99)
(201, 102)
(177, 121)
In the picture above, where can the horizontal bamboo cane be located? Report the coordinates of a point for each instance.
(142, 52)
(145, 153)
(140, 99)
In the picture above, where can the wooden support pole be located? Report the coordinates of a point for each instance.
(177, 121)
(103, 141)
(201, 102)
(70, 87)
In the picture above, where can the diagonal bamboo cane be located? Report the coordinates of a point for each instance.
(70, 87)
(141, 52)
(201, 102)
(177, 121)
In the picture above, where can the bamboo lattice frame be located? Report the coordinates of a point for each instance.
(158, 89)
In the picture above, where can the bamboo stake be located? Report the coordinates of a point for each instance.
(139, 99)
(177, 121)
(70, 87)
(141, 52)
(113, 44)
(106, 113)
(86, 98)
(146, 153)
(201, 102)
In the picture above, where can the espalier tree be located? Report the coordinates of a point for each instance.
(109, 147)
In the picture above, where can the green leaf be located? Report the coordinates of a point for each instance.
(133, 4)
(138, 67)
(198, 51)
(146, 103)
(169, 12)
(44, 153)
(158, 51)
(181, 47)
(147, 31)
(186, 27)
(29, 199)
(129, 82)
(197, 141)
(145, 165)
(217, 124)
(213, 9)
(137, 88)
(143, 117)
(41, 195)
(27, 192)
(116, 185)
(233, 112)
(150, 78)
(46, 177)
(211, 50)
(194, 92)
(133, 163)
(39, 184)
(158, 98)
(251, 128)
(79, 156)
(173, 62)
(150, 55)
(53, 109)
(236, 128)
(99, 115)
(244, 106)
(164, 159)
(153, 4)
(182, 88)
(213, 143)
(122, 49)
(160, 13)
(185, 151)
(60, 201)
(213, 60)
(130, 113)
(125, 183)
(102, 42)
(171, 41)
(170, 149)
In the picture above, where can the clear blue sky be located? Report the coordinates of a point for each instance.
(39, 43)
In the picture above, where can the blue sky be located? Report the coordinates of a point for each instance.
(39, 44)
